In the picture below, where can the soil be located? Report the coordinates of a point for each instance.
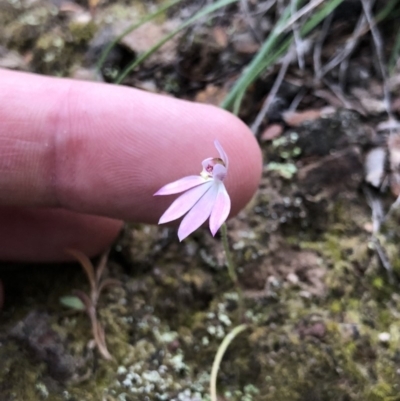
(321, 282)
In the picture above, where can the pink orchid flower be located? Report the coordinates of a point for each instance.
(205, 197)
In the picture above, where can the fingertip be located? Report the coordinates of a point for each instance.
(201, 126)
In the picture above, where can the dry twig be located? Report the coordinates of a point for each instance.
(348, 49)
(318, 46)
(297, 38)
(274, 90)
(367, 5)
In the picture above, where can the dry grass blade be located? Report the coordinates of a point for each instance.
(244, 5)
(265, 7)
(97, 329)
(297, 38)
(340, 95)
(108, 282)
(380, 251)
(378, 215)
(379, 52)
(318, 46)
(276, 46)
(377, 219)
(99, 335)
(218, 358)
(97, 286)
(85, 300)
(305, 10)
(274, 90)
(101, 342)
(100, 267)
(86, 265)
(350, 45)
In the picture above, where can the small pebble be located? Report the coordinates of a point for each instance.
(384, 337)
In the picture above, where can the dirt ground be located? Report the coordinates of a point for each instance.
(316, 249)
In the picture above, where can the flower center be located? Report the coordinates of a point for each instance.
(209, 168)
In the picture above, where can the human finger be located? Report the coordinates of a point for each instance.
(43, 235)
(104, 150)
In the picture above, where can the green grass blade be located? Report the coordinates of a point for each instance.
(320, 15)
(272, 49)
(131, 28)
(388, 11)
(252, 70)
(202, 13)
(395, 54)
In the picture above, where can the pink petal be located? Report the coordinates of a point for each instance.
(221, 209)
(219, 172)
(181, 185)
(185, 202)
(222, 153)
(199, 213)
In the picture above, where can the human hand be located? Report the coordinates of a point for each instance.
(77, 158)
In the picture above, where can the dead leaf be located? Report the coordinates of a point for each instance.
(220, 36)
(297, 118)
(212, 94)
(271, 132)
(389, 125)
(244, 43)
(142, 39)
(331, 175)
(371, 105)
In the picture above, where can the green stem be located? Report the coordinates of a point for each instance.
(228, 254)
(232, 268)
(219, 355)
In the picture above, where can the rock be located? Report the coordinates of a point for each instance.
(331, 175)
(46, 345)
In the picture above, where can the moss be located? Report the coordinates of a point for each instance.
(82, 32)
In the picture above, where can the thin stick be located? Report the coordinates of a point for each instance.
(218, 358)
(349, 47)
(244, 5)
(318, 45)
(303, 11)
(297, 38)
(298, 98)
(378, 47)
(274, 90)
(265, 7)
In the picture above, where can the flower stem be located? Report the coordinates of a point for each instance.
(232, 268)
(228, 254)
